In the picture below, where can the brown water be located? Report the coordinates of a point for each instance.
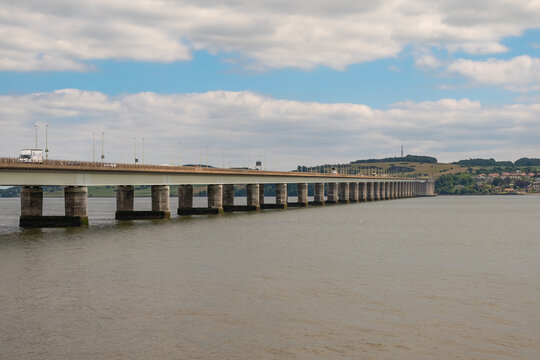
(427, 278)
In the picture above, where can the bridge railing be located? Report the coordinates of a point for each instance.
(109, 166)
(95, 164)
(91, 165)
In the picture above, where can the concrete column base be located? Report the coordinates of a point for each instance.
(317, 203)
(199, 211)
(53, 221)
(297, 204)
(332, 193)
(233, 208)
(273, 206)
(141, 215)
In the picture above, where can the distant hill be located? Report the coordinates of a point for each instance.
(527, 162)
(483, 162)
(409, 158)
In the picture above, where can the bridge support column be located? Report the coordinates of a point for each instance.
(343, 192)
(281, 195)
(318, 194)
(393, 190)
(125, 199)
(31, 206)
(261, 194)
(431, 188)
(281, 198)
(377, 190)
(215, 198)
(370, 191)
(160, 201)
(362, 191)
(228, 197)
(31, 201)
(75, 204)
(332, 193)
(302, 196)
(353, 192)
(185, 197)
(253, 199)
(385, 191)
(185, 202)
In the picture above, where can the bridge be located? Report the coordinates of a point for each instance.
(76, 176)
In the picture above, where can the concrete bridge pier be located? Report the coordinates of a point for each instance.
(386, 190)
(261, 195)
(353, 192)
(332, 193)
(253, 197)
(281, 198)
(370, 191)
(185, 202)
(393, 190)
(431, 188)
(31, 201)
(362, 191)
(343, 192)
(228, 198)
(160, 201)
(377, 190)
(125, 199)
(302, 196)
(31, 206)
(318, 194)
(215, 199)
(75, 206)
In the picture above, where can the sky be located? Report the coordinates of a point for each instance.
(303, 82)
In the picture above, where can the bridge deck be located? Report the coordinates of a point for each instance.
(79, 173)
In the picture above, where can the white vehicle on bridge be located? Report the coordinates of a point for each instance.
(31, 156)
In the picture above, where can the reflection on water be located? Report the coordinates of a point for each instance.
(427, 278)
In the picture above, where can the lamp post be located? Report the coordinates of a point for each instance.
(179, 154)
(35, 142)
(102, 147)
(46, 141)
(135, 153)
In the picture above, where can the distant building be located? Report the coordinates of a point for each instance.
(536, 184)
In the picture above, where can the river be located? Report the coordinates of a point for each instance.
(426, 278)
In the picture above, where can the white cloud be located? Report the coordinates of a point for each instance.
(521, 73)
(427, 62)
(66, 34)
(281, 131)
